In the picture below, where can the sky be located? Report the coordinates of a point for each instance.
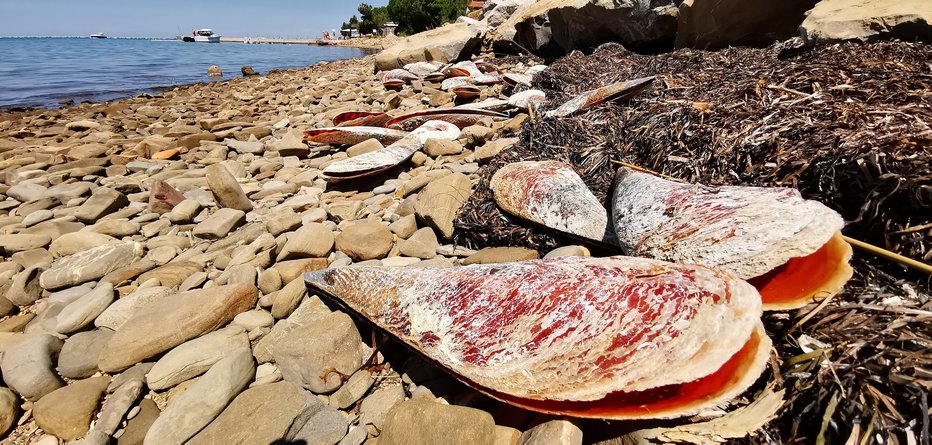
(168, 18)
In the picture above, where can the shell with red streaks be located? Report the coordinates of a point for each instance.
(388, 157)
(617, 337)
(462, 117)
(361, 119)
(589, 99)
(551, 194)
(352, 135)
(748, 231)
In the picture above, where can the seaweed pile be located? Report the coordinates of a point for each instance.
(848, 125)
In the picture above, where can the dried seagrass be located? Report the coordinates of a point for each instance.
(386, 158)
(790, 248)
(551, 194)
(613, 338)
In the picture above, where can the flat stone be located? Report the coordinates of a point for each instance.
(172, 274)
(9, 410)
(227, 192)
(163, 197)
(369, 145)
(422, 244)
(37, 217)
(441, 147)
(11, 244)
(192, 313)
(78, 358)
(312, 240)
(556, 432)
(291, 269)
(376, 406)
(288, 298)
(136, 373)
(420, 422)
(16, 323)
(307, 313)
(184, 211)
(82, 312)
(260, 415)
(195, 357)
(365, 241)
(103, 202)
(441, 200)
(326, 426)
(204, 400)
(336, 346)
(491, 255)
(74, 242)
(67, 412)
(81, 126)
(24, 288)
(254, 319)
(138, 426)
(353, 390)
(26, 192)
(118, 405)
(245, 146)
(28, 366)
(114, 227)
(121, 310)
(91, 264)
(565, 251)
(285, 222)
(219, 224)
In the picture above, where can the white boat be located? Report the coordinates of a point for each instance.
(205, 35)
(98, 35)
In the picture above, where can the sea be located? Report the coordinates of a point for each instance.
(51, 72)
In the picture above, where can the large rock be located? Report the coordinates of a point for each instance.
(226, 190)
(312, 240)
(560, 26)
(441, 200)
(103, 202)
(29, 366)
(67, 412)
(365, 241)
(75, 242)
(170, 321)
(444, 44)
(203, 401)
(554, 432)
(194, 357)
(91, 264)
(264, 414)
(81, 312)
(840, 20)
(316, 365)
(78, 358)
(714, 24)
(9, 409)
(124, 308)
(419, 422)
(138, 426)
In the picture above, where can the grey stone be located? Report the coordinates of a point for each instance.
(376, 406)
(337, 346)
(10, 244)
(103, 202)
(118, 405)
(184, 211)
(91, 264)
(24, 289)
(28, 366)
(82, 312)
(124, 308)
(353, 390)
(194, 357)
(325, 427)
(203, 401)
(78, 358)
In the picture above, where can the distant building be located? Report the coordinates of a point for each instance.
(389, 28)
(349, 33)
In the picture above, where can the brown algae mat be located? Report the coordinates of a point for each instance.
(849, 125)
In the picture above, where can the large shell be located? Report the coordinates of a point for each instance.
(422, 69)
(397, 78)
(462, 117)
(512, 79)
(526, 99)
(454, 82)
(589, 99)
(551, 194)
(352, 135)
(787, 246)
(386, 158)
(618, 337)
(361, 119)
(467, 92)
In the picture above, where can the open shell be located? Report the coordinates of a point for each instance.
(352, 135)
(388, 157)
(435, 77)
(788, 247)
(397, 78)
(614, 338)
(551, 194)
(460, 116)
(589, 99)
(467, 92)
(361, 119)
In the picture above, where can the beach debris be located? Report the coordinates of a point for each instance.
(422, 69)
(513, 79)
(613, 338)
(466, 92)
(487, 79)
(462, 117)
(361, 119)
(551, 194)
(454, 82)
(466, 68)
(790, 248)
(490, 104)
(527, 99)
(397, 78)
(589, 99)
(352, 135)
(378, 161)
(436, 76)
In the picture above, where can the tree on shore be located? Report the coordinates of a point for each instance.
(372, 19)
(420, 15)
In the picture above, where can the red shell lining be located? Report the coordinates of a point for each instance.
(800, 278)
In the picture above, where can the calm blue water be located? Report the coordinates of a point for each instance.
(45, 71)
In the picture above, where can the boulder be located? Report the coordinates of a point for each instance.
(365, 241)
(67, 412)
(195, 357)
(78, 358)
(558, 26)
(441, 200)
(316, 365)
(190, 314)
(88, 265)
(714, 24)
(444, 44)
(28, 366)
(9, 410)
(833, 21)
(419, 422)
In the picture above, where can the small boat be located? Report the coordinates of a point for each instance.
(205, 35)
(98, 35)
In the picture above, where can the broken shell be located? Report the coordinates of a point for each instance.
(462, 117)
(435, 77)
(361, 119)
(454, 82)
(525, 99)
(352, 135)
(466, 92)
(388, 157)
(422, 69)
(512, 79)
(614, 338)
(487, 79)
(397, 78)
(551, 194)
(488, 104)
(589, 99)
(788, 247)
